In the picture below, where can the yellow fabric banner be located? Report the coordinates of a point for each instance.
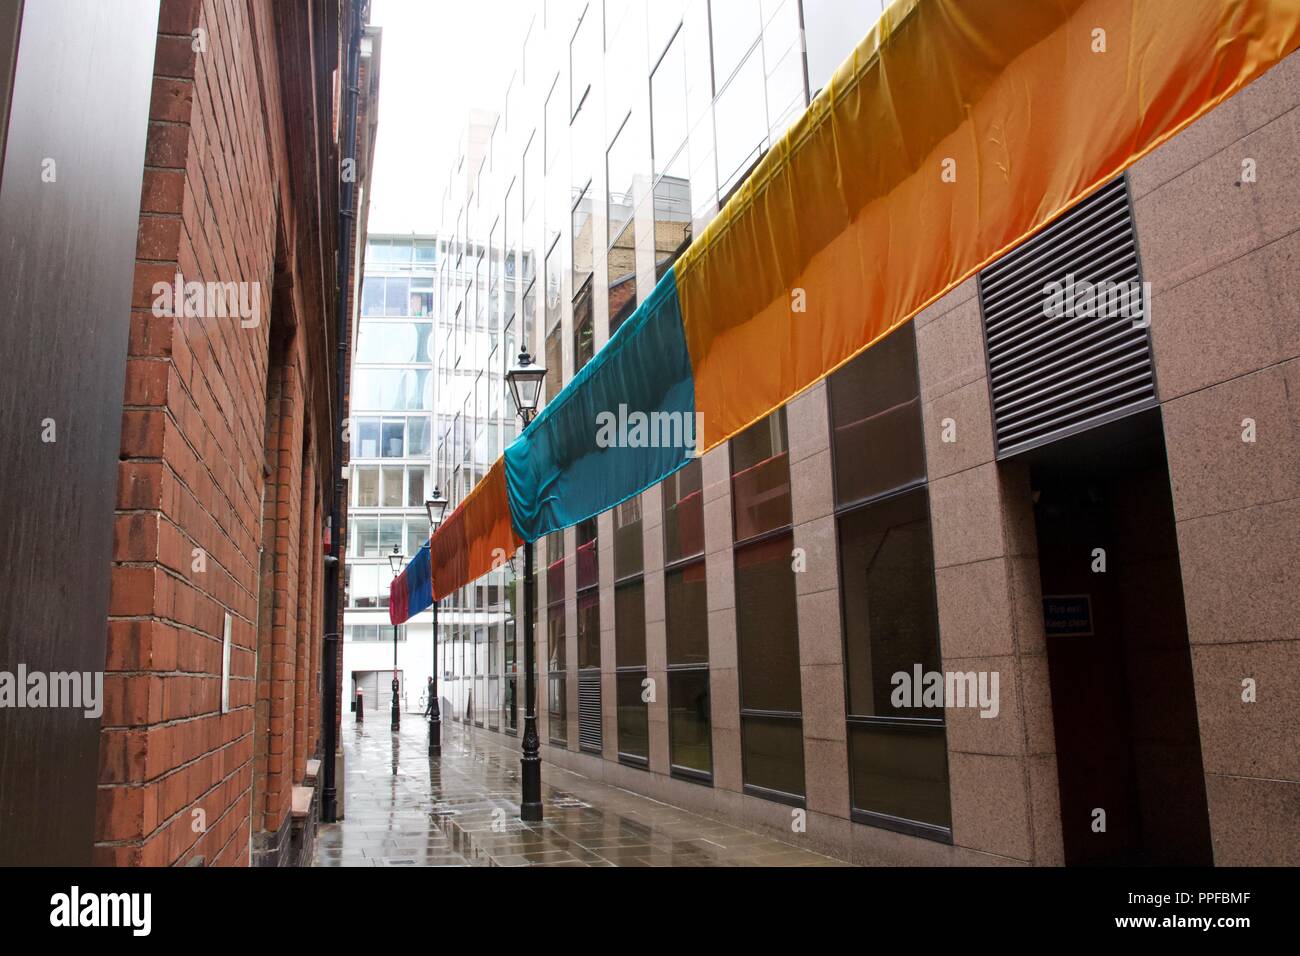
(956, 130)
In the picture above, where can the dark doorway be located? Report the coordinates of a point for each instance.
(1122, 692)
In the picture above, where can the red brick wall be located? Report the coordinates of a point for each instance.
(177, 775)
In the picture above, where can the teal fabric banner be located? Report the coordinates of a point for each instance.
(624, 423)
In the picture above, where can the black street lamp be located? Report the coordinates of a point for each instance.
(395, 561)
(436, 507)
(525, 380)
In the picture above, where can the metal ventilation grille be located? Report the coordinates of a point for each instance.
(1058, 366)
(589, 732)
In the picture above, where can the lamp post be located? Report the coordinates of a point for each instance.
(436, 507)
(395, 561)
(525, 380)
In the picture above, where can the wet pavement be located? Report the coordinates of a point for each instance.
(462, 809)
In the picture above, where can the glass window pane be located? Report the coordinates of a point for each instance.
(875, 411)
(555, 637)
(633, 726)
(555, 567)
(772, 751)
(417, 436)
(366, 438)
(735, 26)
(668, 121)
(673, 223)
(629, 554)
(760, 477)
(832, 30)
(393, 438)
(687, 615)
(417, 533)
(390, 536)
(684, 512)
(397, 296)
(367, 485)
(767, 626)
(585, 556)
(366, 542)
(584, 330)
(890, 621)
(629, 624)
(901, 771)
(582, 238)
(554, 363)
(392, 496)
(557, 710)
(690, 733)
(417, 480)
(622, 164)
(740, 118)
(363, 586)
(589, 628)
(372, 296)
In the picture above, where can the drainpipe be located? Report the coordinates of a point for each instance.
(333, 563)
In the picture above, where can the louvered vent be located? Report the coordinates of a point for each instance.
(589, 733)
(1066, 357)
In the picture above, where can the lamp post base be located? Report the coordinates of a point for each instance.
(435, 737)
(397, 719)
(530, 806)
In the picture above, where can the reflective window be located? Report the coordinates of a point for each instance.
(760, 477)
(629, 557)
(391, 389)
(668, 116)
(629, 624)
(690, 730)
(683, 493)
(394, 342)
(767, 632)
(875, 409)
(740, 117)
(554, 125)
(686, 613)
(582, 238)
(584, 329)
(554, 362)
(735, 26)
(622, 164)
(589, 628)
(891, 626)
(633, 725)
(832, 31)
(584, 57)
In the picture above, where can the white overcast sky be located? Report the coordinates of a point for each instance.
(440, 59)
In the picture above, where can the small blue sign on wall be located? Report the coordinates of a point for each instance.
(1067, 615)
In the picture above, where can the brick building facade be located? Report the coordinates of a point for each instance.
(210, 740)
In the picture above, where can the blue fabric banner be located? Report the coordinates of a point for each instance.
(625, 422)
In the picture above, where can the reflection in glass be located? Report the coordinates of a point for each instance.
(760, 477)
(875, 411)
(767, 626)
(690, 736)
(633, 725)
(740, 117)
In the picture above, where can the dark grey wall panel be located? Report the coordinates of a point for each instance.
(11, 14)
(81, 98)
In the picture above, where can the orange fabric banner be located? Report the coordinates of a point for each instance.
(956, 130)
(476, 537)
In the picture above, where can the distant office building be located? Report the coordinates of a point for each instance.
(390, 426)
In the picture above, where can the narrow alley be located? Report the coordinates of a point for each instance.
(462, 809)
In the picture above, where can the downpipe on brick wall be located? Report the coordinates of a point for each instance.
(329, 799)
